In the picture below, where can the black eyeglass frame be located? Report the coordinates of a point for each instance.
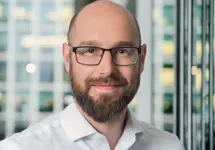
(74, 49)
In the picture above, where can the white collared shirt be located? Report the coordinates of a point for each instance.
(68, 130)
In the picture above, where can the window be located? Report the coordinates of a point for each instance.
(2, 130)
(21, 74)
(3, 42)
(3, 67)
(3, 12)
(66, 77)
(168, 45)
(168, 127)
(168, 12)
(20, 127)
(47, 48)
(68, 99)
(46, 72)
(22, 98)
(133, 106)
(68, 10)
(23, 42)
(167, 75)
(47, 13)
(23, 12)
(197, 103)
(2, 100)
(46, 101)
(168, 103)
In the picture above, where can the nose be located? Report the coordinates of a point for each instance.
(106, 66)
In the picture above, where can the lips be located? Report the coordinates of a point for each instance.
(106, 87)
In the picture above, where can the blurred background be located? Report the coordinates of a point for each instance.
(176, 92)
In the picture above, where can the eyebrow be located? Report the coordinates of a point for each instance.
(90, 43)
(98, 44)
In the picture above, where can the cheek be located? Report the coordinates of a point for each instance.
(80, 73)
(129, 73)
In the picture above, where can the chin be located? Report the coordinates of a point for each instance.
(105, 96)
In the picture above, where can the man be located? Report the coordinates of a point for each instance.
(104, 58)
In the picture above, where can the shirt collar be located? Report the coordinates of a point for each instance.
(76, 126)
(133, 124)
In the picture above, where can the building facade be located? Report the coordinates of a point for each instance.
(34, 83)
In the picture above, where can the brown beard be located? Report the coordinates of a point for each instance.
(105, 107)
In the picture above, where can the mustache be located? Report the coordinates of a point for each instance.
(113, 79)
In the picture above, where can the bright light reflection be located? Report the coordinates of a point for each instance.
(30, 68)
(194, 70)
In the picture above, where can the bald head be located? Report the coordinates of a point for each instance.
(104, 10)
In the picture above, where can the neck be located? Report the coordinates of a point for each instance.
(112, 130)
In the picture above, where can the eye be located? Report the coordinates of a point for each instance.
(89, 51)
(85, 50)
(124, 51)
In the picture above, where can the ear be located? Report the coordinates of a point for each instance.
(66, 55)
(142, 57)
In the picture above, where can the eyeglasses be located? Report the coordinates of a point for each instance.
(121, 56)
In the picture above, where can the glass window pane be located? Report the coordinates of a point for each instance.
(168, 127)
(2, 100)
(2, 129)
(22, 98)
(3, 12)
(168, 15)
(167, 75)
(68, 11)
(21, 74)
(168, 45)
(3, 42)
(168, 103)
(19, 127)
(196, 103)
(23, 42)
(23, 12)
(133, 106)
(66, 77)
(47, 48)
(47, 13)
(46, 101)
(68, 99)
(46, 72)
(3, 67)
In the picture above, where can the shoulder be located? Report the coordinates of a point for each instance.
(37, 134)
(8, 145)
(149, 129)
(158, 138)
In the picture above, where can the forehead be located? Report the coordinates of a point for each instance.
(105, 28)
